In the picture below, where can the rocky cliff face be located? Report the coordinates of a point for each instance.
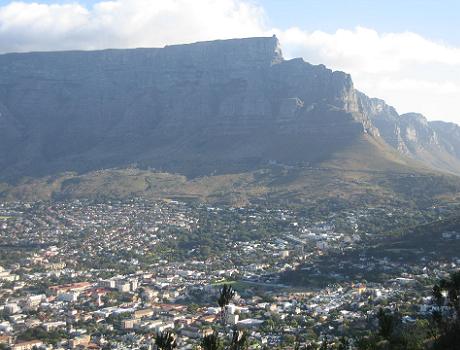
(448, 136)
(196, 109)
(434, 143)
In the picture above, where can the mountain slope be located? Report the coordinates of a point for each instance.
(221, 106)
(228, 120)
(436, 144)
(449, 136)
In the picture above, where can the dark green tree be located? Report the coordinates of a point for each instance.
(446, 318)
(387, 324)
(166, 340)
(239, 340)
(227, 293)
(211, 342)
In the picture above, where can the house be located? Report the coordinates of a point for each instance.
(12, 308)
(232, 319)
(83, 340)
(129, 323)
(49, 326)
(72, 287)
(6, 339)
(163, 326)
(27, 345)
(143, 313)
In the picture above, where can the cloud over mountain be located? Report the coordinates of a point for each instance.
(408, 70)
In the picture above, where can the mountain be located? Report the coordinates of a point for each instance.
(448, 135)
(216, 114)
(436, 144)
(212, 106)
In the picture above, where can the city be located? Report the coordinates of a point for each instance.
(114, 275)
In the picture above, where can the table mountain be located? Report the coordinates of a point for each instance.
(212, 106)
(202, 110)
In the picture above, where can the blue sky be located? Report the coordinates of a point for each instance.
(432, 18)
(404, 51)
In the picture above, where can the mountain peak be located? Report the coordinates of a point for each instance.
(415, 117)
(261, 50)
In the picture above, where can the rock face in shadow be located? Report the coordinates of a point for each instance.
(196, 109)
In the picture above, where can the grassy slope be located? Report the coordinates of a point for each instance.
(366, 172)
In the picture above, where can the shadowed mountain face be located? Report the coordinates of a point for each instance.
(196, 109)
(233, 116)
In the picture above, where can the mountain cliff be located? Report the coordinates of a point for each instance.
(212, 106)
(436, 144)
(204, 110)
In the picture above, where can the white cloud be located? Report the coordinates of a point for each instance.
(409, 71)
(124, 23)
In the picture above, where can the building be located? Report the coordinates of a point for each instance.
(72, 287)
(49, 326)
(110, 284)
(70, 297)
(33, 301)
(5, 339)
(164, 326)
(12, 309)
(129, 323)
(27, 345)
(232, 319)
(83, 340)
(123, 287)
(143, 313)
(7, 276)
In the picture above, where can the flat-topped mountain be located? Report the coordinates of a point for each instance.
(210, 108)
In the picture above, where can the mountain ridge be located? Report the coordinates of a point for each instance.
(85, 110)
(200, 110)
(412, 135)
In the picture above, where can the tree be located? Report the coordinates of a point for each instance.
(239, 340)
(166, 340)
(387, 324)
(343, 344)
(324, 345)
(446, 319)
(211, 342)
(227, 293)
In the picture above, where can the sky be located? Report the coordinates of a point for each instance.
(405, 52)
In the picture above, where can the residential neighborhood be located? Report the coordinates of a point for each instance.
(114, 275)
